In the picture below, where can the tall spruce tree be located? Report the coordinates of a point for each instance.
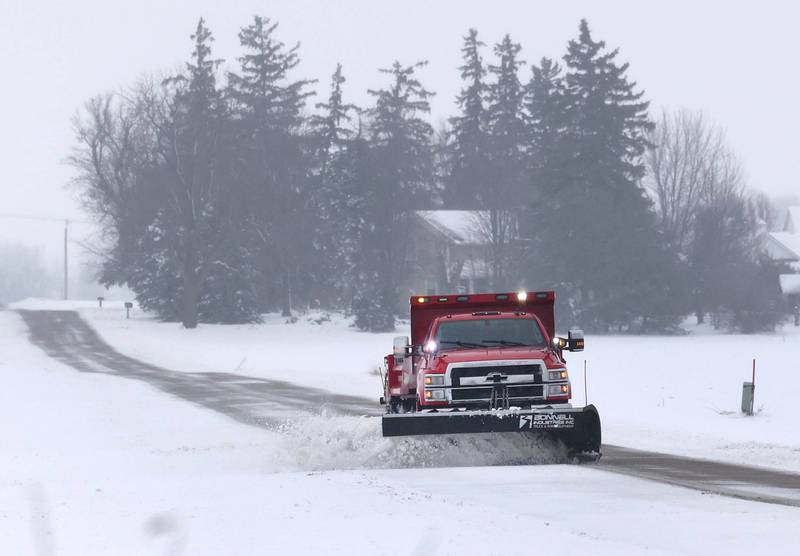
(263, 87)
(276, 169)
(401, 163)
(192, 142)
(547, 159)
(506, 127)
(546, 113)
(330, 127)
(197, 117)
(610, 257)
(334, 195)
(467, 155)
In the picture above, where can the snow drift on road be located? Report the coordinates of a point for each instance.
(320, 442)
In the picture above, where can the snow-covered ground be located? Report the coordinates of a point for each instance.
(678, 394)
(95, 464)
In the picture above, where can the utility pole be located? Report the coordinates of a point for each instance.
(66, 259)
(66, 238)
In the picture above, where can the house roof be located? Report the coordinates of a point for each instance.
(785, 246)
(460, 226)
(790, 284)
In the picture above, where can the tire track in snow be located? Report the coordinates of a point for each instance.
(65, 336)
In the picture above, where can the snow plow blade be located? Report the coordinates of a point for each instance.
(577, 428)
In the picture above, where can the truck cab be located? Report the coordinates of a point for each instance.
(483, 351)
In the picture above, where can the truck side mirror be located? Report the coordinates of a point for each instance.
(400, 348)
(575, 340)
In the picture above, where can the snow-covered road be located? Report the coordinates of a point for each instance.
(92, 464)
(295, 411)
(674, 394)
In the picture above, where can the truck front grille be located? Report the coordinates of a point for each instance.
(457, 373)
(483, 393)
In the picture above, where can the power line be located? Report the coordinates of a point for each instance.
(44, 218)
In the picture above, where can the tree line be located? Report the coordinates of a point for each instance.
(223, 195)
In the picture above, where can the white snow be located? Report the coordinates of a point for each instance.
(462, 226)
(95, 464)
(679, 394)
(790, 284)
(790, 242)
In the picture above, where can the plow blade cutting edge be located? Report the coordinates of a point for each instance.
(577, 428)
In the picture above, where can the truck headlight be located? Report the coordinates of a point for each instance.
(557, 375)
(434, 394)
(434, 380)
(557, 389)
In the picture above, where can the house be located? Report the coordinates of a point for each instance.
(448, 252)
(784, 246)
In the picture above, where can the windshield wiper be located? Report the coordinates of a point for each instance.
(462, 344)
(506, 343)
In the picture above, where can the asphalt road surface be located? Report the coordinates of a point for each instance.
(66, 337)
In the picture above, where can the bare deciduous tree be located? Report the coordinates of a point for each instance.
(690, 164)
(497, 229)
(115, 140)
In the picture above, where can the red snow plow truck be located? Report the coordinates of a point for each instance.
(487, 363)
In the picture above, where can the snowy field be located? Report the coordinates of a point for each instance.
(672, 394)
(93, 464)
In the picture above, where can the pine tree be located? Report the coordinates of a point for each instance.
(506, 157)
(262, 87)
(332, 195)
(506, 124)
(402, 135)
(400, 161)
(610, 257)
(611, 117)
(546, 113)
(354, 204)
(467, 157)
(546, 162)
(330, 127)
(277, 159)
(192, 155)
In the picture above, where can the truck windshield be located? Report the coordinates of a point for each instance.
(480, 333)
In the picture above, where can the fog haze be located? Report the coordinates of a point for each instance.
(734, 60)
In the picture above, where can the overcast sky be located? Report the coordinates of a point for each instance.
(735, 60)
